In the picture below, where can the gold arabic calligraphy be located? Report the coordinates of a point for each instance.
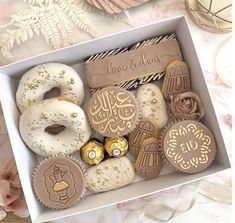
(113, 112)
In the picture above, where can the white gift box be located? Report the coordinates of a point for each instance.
(26, 160)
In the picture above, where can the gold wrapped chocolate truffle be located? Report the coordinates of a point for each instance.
(116, 146)
(92, 152)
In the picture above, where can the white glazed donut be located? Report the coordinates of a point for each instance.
(35, 120)
(42, 78)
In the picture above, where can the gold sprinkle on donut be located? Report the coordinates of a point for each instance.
(99, 171)
(44, 116)
(74, 115)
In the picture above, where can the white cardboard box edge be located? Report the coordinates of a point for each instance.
(8, 85)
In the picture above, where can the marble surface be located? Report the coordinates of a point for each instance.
(207, 45)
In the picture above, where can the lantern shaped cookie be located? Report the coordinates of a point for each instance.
(176, 80)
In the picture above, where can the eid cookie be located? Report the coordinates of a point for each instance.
(113, 112)
(176, 80)
(189, 146)
(41, 79)
(145, 129)
(110, 174)
(149, 160)
(59, 182)
(152, 104)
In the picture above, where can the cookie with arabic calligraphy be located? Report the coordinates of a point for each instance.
(113, 112)
(189, 146)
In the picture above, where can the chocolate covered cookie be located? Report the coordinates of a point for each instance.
(113, 112)
(189, 146)
(145, 129)
(176, 80)
(149, 160)
(109, 175)
(58, 182)
(152, 104)
(131, 67)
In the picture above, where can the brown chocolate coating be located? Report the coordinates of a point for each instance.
(149, 161)
(58, 182)
(113, 111)
(186, 105)
(144, 130)
(189, 146)
(176, 80)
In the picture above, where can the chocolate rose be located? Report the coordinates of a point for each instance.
(186, 105)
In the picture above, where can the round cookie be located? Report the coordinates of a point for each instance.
(59, 182)
(110, 174)
(42, 78)
(152, 104)
(35, 121)
(189, 146)
(113, 111)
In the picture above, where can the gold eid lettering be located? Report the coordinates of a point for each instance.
(189, 146)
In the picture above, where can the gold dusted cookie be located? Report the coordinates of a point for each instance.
(176, 80)
(92, 152)
(116, 146)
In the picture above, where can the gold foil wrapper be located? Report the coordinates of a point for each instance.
(92, 152)
(116, 147)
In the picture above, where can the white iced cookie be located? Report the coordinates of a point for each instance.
(110, 174)
(42, 78)
(36, 121)
(152, 104)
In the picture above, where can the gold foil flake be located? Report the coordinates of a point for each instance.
(44, 116)
(74, 115)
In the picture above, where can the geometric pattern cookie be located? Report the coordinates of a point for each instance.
(189, 146)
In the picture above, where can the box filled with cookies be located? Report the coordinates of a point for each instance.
(110, 120)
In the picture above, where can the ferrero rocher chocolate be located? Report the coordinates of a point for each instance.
(117, 146)
(92, 152)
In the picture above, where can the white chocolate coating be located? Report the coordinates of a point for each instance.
(38, 117)
(42, 78)
(152, 104)
(110, 174)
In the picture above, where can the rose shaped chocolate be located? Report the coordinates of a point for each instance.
(186, 105)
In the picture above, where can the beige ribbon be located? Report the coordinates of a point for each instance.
(160, 212)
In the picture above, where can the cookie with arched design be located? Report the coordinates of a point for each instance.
(176, 80)
(145, 129)
(149, 161)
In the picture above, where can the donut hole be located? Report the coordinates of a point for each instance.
(54, 92)
(55, 129)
